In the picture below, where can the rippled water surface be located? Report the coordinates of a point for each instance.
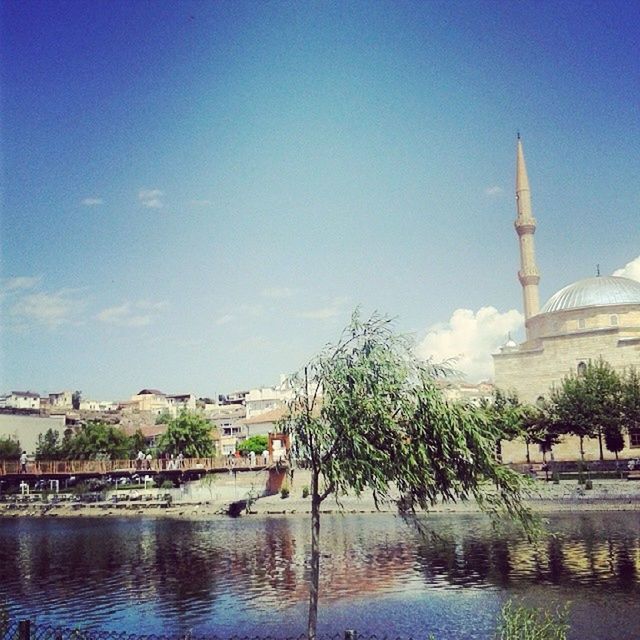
(249, 576)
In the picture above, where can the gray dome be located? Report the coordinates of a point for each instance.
(594, 292)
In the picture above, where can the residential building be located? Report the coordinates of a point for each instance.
(23, 400)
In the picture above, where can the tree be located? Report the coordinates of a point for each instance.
(540, 429)
(189, 434)
(137, 442)
(257, 444)
(76, 397)
(631, 400)
(96, 439)
(508, 414)
(48, 446)
(588, 405)
(366, 414)
(10, 448)
(614, 440)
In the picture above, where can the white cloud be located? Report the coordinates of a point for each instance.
(131, 314)
(493, 191)
(630, 270)
(470, 338)
(277, 292)
(48, 309)
(19, 283)
(331, 310)
(92, 202)
(151, 198)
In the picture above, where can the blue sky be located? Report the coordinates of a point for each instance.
(197, 195)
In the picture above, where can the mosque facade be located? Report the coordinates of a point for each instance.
(587, 320)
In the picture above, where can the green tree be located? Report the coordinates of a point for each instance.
(257, 444)
(508, 414)
(96, 439)
(189, 434)
(137, 442)
(10, 448)
(588, 405)
(382, 424)
(48, 446)
(631, 400)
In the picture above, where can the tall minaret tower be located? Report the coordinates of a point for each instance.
(525, 227)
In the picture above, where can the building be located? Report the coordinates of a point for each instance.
(228, 420)
(23, 400)
(263, 399)
(27, 428)
(62, 400)
(587, 320)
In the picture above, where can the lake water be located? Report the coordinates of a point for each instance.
(249, 576)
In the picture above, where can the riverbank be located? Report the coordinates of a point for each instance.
(606, 495)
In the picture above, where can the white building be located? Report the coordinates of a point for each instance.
(263, 399)
(23, 400)
(98, 406)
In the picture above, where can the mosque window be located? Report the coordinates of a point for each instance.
(582, 368)
(614, 321)
(634, 437)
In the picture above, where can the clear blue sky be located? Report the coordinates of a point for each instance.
(196, 195)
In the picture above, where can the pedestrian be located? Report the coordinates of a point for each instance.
(252, 459)
(139, 459)
(23, 462)
(180, 460)
(265, 457)
(148, 459)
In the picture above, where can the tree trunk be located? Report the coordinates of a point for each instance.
(600, 444)
(528, 456)
(582, 448)
(315, 557)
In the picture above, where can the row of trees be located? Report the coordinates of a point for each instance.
(189, 434)
(596, 403)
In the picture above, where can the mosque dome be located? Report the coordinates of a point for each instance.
(594, 292)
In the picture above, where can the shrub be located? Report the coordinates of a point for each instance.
(284, 492)
(518, 622)
(305, 492)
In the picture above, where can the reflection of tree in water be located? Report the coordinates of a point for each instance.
(625, 566)
(186, 565)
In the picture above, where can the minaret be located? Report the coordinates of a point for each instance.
(526, 226)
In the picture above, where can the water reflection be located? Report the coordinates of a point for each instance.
(211, 574)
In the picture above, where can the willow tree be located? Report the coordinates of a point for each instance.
(366, 414)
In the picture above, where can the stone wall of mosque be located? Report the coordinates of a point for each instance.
(626, 317)
(532, 373)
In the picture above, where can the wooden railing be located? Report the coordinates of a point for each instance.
(52, 467)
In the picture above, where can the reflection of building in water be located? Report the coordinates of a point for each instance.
(587, 320)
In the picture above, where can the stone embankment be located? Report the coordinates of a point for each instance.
(212, 497)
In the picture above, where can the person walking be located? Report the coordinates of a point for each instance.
(23, 462)
(148, 459)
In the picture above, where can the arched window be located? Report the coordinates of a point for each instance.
(582, 368)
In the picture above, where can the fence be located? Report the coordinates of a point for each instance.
(27, 630)
(52, 467)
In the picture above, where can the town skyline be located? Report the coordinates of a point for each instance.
(197, 196)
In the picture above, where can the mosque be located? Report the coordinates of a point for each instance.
(586, 320)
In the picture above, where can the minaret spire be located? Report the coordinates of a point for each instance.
(525, 227)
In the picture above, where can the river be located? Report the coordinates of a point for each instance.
(249, 576)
